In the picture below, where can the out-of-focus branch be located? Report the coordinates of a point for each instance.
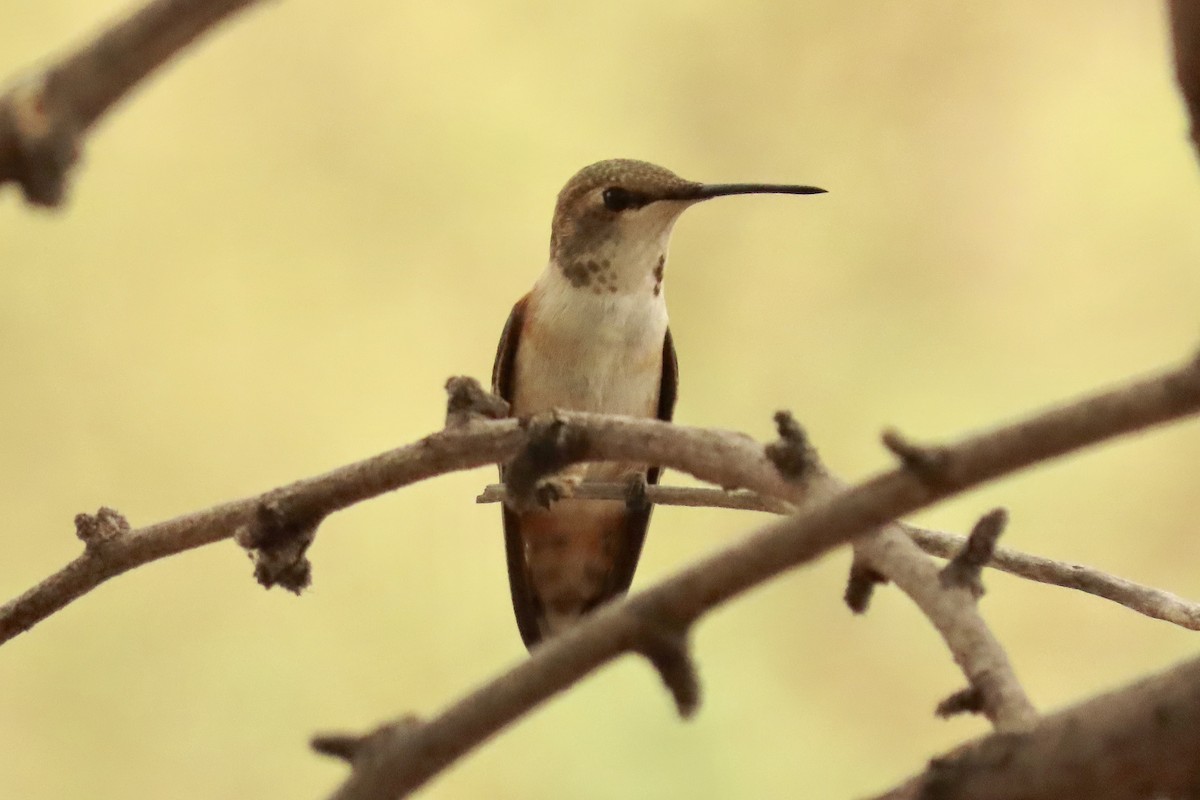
(44, 115)
(390, 766)
(1185, 34)
(1143, 599)
(1139, 742)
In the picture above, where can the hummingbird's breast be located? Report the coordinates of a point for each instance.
(584, 351)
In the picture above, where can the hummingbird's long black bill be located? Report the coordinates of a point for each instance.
(704, 191)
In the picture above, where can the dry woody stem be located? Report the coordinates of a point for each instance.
(45, 115)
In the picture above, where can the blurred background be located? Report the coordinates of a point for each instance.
(276, 252)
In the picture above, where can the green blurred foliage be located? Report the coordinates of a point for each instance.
(276, 252)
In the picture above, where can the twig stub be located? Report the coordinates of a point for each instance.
(103, 526)
(351, 747)
(46, 140)
(927, 463)
(965, 701)
(791, 453)
(666, 647)
(277, 540)
(860, 585)
(468, 401)
(965, 569)
(338, 745)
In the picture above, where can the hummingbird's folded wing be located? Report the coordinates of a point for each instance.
(525, 602)
(638, 519)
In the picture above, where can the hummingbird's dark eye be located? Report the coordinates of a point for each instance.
(618, 199)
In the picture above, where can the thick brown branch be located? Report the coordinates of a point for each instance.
(1139, 742)
(563, 660)
(44, 116)
(1138, 597)
(1185, 35)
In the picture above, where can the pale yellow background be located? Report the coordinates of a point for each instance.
(278, 250)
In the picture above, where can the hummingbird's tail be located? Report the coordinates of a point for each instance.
(566, 561)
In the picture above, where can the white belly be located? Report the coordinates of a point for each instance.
(581, 352)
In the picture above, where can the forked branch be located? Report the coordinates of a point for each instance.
(400, 765)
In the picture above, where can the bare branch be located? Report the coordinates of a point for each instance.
(719, 457)
(45, 115)
(1146, 600)
(830, 521)
(1143, 599)
(434, 455)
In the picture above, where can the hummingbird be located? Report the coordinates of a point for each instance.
(592, 335)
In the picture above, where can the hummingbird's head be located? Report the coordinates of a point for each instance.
(614, 218)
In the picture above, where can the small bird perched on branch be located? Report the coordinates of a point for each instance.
(592, 335)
